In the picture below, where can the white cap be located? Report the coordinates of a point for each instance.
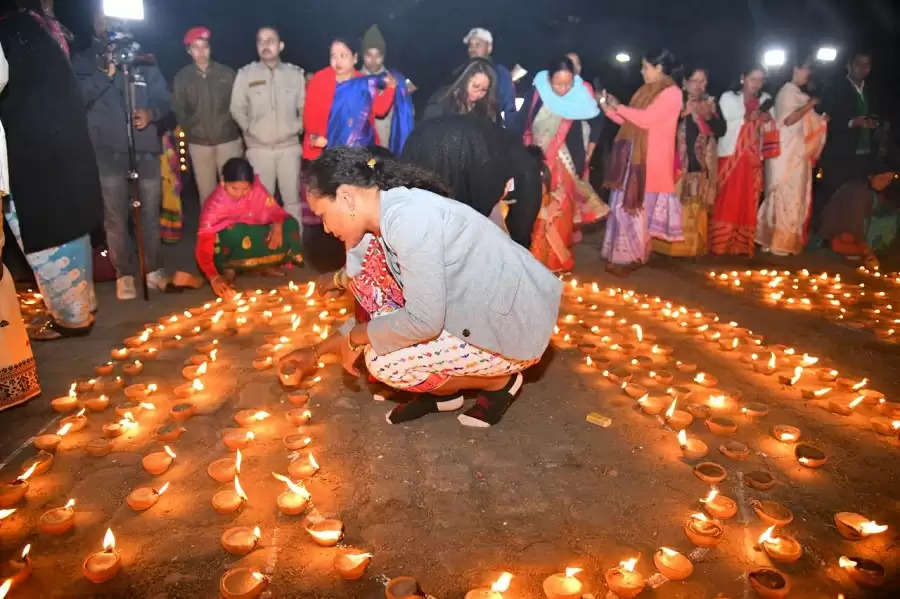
(479, 33)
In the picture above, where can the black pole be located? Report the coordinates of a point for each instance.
(134, 178)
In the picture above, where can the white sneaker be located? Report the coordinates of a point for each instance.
(157, 280)
(125, 288)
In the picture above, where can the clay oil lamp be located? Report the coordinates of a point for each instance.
(137, 341)
(149, 354)
(120, 354)
(16, 571)
(240, 540)
(4, 514)
(672, 564)
(706, 380)
(720, 404)
(563, 585)
(772, 513)
(242, 583)
(792, 379)
(851, 384)
(326, 532)
(182, 411)
(169, 432)
(863, 571)
(780, 548)
(767, 367)
(295, 441)
(229, 501)
(250, 417)
(303, 468)
(624, 581)
(719, 506)
(67, 403)
(298, 417)
(702, 531)
(97, 404)
(140, 390)
(809, 456)
(855, 526)
(769, 583)
(51, 442)
(662, 350)
(827, 375)
(103, 565)
(107, 385)
(224, 469)
(786, 433)
(661, 377)
(187, 390)
(885, 426)
(158, 462)
(685, 367)
(293, 501)
(755, 411)
(891, 409)
(691, 448)
(872, 397)
(735, 450)
(699, 411)
(679, 392)
(237, 438)
(729, 343)
(116, 429)
(760, 480)
(290, 376)
(678, 419)
(41, 462)
(651, 405)
(194, 371)
(710, 472)
(133, 368)
(59, 520)
(105, 369)
(618, 375)
(633, 390)
(208, 347)
(144, 498)
(809, 393)
(298, 399)
(351, 564)
(263, 363)
(76, 422)
(836, 406)
(721, 425)
(98, 447)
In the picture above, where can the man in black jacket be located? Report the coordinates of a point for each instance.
(851, 149)
(103, 89)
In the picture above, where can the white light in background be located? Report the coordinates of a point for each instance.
(774, 58)
(124, 9)
(623, 57)
(519, 103)
(826, 54)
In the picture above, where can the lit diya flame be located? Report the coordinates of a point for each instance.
(201, 370)
(771, 363)
(846, 562)
(501, 585)
(109, 540)
(682, 438)
(69, 505)
(768, 536)
(870, 527)
(188, 314)
(717, 401)
(4, 588)
(239, 491)
(588, 361)
(257, 533)
(798, 372)
(64, 429)
(821, 392)
(261, 415)
(151, 388)
(162, 489)
(324, 333)
(671, 411)
(213, 354)
(710, 497)
(860, 385)
(128, 421)
(734, 343)
(27, 548)
(629, 564)
(809, 360)
(852, 405)
(146, 405)
(310, 289)
(783, 436)
(574, 283)
(638, 332)
(700, 378)
(4, 514)
(197, 386)
(169, 451)
(699, 516)
(237, 462)
(81, 412)
(571, 572)
(295, 488)
(72, 392)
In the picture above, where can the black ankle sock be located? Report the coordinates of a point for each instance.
(490, 406)
(422, 405)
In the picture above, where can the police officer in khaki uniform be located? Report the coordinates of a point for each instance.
(267, 104)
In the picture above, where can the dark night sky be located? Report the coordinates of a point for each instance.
(424, 36)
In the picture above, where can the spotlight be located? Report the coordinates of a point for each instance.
(826, 54)
(623, 57)
(124, 9)
(774, 58)
(519, 103)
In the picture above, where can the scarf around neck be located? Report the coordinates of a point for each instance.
(577, 104)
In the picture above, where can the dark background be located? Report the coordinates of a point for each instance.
(424, 37)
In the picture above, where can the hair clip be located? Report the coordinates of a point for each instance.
(371, 163)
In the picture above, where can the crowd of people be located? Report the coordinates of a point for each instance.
(453, 224)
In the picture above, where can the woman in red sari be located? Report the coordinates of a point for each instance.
(745, 112)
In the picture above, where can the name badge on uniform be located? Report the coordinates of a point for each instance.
(255, 83)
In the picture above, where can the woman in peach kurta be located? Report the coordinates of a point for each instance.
(641, 174)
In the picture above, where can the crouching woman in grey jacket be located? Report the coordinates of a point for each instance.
(454, 303)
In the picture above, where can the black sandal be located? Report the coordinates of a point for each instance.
(52, 330)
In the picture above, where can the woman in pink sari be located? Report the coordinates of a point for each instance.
(243, 228)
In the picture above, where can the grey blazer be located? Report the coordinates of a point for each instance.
(461, 273)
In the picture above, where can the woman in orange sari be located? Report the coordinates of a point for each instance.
(745, 112)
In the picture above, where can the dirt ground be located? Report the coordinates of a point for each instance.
(453, 506)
